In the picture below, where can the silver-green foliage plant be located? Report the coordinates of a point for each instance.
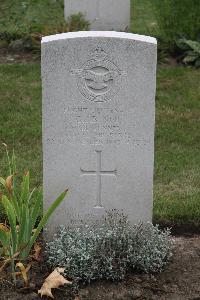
(109, 248)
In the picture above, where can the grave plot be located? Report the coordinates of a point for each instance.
(98, 123)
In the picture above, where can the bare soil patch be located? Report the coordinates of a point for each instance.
(179, 280)
(7, 57)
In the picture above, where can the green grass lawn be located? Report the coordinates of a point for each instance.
(20, 17)
(20, 117)
(177, 159)
(143, 20)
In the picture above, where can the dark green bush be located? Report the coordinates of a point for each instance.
(177, 18)
(191, 51)
(109, 248)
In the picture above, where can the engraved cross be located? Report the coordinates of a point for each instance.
(98, 173)
(98, 11)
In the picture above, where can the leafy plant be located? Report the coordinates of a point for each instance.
(22, 210)
(191, 51)
(175, 19)
(109, 248)
(77, 23)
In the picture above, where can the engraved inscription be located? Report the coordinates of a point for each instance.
(99, 126)
(98, 173)
(98, 78)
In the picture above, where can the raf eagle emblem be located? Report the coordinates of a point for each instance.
(99, 78)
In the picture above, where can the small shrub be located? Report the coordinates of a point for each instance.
(109, 248)
(177, 19)
(77, 23)
(191, 50)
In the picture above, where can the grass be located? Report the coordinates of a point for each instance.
(20, 117)
(177, 164)
(177, 159)
(17, 17)
(142, 18)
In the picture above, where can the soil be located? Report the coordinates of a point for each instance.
(177, 229)
(179, 280)
(8, 57)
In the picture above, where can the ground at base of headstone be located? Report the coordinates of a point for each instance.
(179, 280)
(8, 57)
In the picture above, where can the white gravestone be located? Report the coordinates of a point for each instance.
(102, 14)
(98, 123)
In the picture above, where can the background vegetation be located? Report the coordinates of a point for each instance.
(177, 19)
(168, 20)
(177, 160)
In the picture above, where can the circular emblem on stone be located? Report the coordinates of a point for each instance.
(98, 78)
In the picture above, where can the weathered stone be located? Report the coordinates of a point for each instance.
(102, 14)
(98, 123)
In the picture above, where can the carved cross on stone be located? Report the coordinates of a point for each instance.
(98, 11)
(98, 173)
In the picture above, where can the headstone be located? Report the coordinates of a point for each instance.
(98, 123)
(102, 14)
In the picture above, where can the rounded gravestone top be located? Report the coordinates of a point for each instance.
(109, 34)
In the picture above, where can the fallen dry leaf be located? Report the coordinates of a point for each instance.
(37, 252)
(53, 281)
(4, 227)
(23, 272)
(77, 298)
(26, 173)
(9, 182)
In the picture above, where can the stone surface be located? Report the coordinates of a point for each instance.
(102, 14)
(98, 123)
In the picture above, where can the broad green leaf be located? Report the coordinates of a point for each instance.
(25, 188)
(193, 45)
(10, 212)
(22, 225)
(4, 238)
(36, 209)
(31, 195)
(197, 63)
(46, 216)
(182, 45)
(2, 181)
(189, 59)
(192, 53)
(16, 207)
